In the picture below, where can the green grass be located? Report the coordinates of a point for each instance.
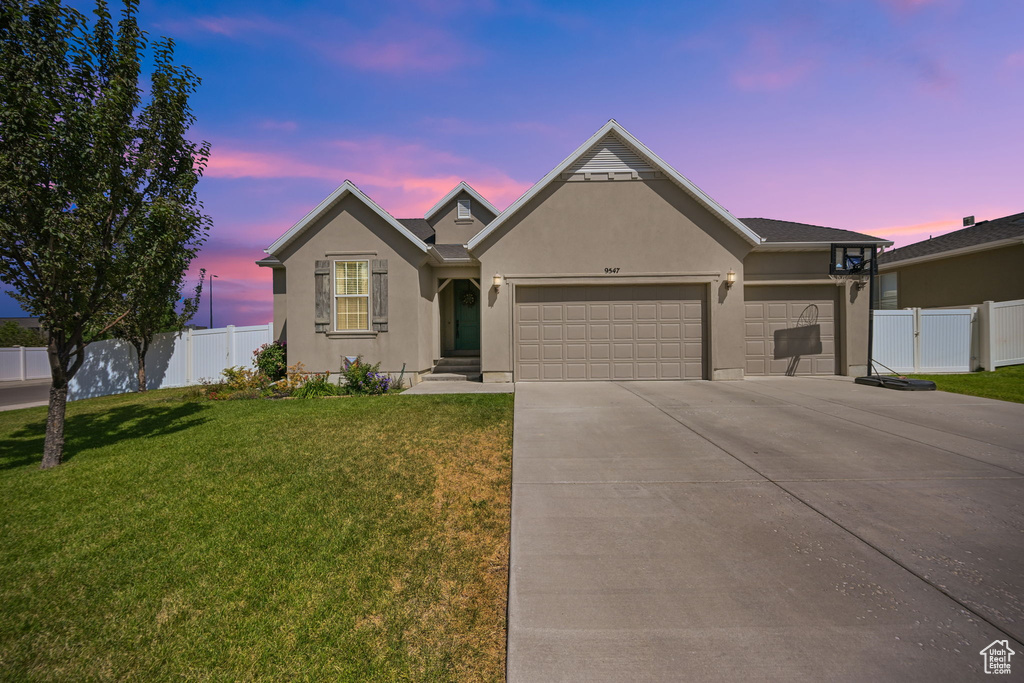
(331, 539)
(1005, 384)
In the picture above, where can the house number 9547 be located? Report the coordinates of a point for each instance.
(609, 271)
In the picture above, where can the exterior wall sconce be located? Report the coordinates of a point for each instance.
(730, 278)
(496, 281)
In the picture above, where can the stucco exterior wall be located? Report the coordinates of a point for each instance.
(449, 230)
(351, 231)
(280, 305)
(994, 275)
(645, 228)
(812, 267)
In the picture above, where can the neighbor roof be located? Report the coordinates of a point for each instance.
(461, 187)
(977, 235)
(345, 189)
(625, 136)
(787, 231)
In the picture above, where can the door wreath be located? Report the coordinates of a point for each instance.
(468, 299)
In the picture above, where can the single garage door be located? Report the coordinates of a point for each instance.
(790, 330)
(609, 332)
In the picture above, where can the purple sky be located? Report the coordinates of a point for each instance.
(892, 117)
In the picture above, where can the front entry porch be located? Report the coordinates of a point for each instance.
(459, 316)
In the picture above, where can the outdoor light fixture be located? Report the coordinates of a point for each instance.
(730, 278)
(496, 281)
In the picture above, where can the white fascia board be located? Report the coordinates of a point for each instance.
(962, 251)
(463, 186)
(344, 189)
(627, 137)
(816, 246)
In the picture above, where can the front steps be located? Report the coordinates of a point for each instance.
(455, 368)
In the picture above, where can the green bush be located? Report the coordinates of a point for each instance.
(271, 360)
(238, 378)
(318, 386)
(361, 378)
(13, 334)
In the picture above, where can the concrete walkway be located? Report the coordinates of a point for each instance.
(778, 529)
(460, 388)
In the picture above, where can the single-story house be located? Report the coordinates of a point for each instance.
(613, 266)
(979, 263)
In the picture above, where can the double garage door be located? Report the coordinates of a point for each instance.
(790, 330)
(609, 332)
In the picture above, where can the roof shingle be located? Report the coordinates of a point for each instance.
(994, 230)
(788, 231)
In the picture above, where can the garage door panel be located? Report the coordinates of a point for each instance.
(799, 318)
(609, 332)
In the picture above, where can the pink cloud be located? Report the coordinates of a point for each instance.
(395, 50)
(1015, 60)
(405, 178)
(907, 6)
(768, 63)
(233, 163)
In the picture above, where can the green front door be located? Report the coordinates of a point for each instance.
(467, 316)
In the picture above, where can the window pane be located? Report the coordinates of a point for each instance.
(352, 313)
(350, 277)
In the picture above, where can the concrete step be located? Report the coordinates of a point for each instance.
(457, 367)
(452, 377)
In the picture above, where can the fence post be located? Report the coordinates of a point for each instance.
(231, 345)
(189, 371)
(917, 340)
(985, 337)
(22, 363)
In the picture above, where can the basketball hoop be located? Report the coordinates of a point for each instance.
(858, 280)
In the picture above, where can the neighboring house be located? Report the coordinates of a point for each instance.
(979, 263)
(612, 267)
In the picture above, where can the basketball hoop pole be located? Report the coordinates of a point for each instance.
(871, 309)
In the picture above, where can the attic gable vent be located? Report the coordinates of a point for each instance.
(610, 154)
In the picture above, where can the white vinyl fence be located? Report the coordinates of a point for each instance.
(173, 360)
(950, 339)
(1002, 339)
(916, 340)
(23, 363)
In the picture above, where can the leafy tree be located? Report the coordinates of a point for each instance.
(88, 172)
(13, 334)
(151, 304)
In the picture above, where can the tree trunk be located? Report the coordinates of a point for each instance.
(53, 447)
(141, 351)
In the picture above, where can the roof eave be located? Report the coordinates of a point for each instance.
(816, 246)
(346, 188)
(613, 126)
(463, 186)
(950, 253)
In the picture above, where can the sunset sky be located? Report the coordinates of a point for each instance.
(891, 117)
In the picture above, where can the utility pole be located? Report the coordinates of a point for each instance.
(211, 300)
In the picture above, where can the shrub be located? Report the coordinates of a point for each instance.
(270, 359)
(318, 386)
(238, 378)
(293, 379)
(361, 378)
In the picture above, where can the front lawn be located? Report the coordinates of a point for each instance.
(330, 539)
(1005, 384)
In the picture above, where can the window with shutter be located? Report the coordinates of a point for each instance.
(351, 295)
(465, 212)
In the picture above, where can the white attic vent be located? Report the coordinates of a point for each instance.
(465, 211)
(610, 154)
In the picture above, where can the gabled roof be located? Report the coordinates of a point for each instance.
(419, 227)
(785, 232)
(973, 238)
(345, 189)
(461, 187)
(613, 127)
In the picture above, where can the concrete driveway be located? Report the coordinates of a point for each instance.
(776, 529)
